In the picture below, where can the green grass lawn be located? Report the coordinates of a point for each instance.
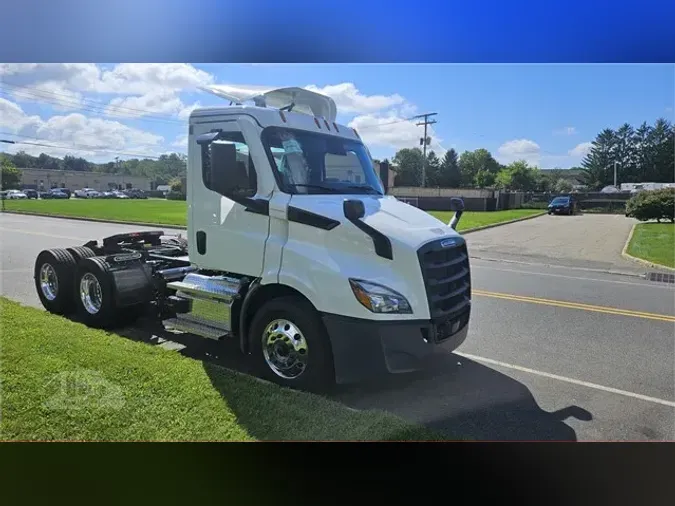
(654, 242)
(160, 211)
(174, 212)
(473, 219)
(63, 381)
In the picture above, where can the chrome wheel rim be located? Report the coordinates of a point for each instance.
(90, 293)
(285, 349)
(49, 283)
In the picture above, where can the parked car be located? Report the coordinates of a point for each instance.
(86, 193)
(15, 194)
(66, 191)
(31, 194)
(119, 195)
(54, 193)
(562, 205)
(135, 194)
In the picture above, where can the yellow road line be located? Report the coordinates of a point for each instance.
(575, 305)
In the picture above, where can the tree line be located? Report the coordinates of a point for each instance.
(160, 171)
(645, 154)
(642, 154)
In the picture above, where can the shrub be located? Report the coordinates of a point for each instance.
(653, 205)
(174, 195)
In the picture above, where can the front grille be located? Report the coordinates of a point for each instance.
(447, 277)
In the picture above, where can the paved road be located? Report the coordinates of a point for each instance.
(589, 240)
(542, 360)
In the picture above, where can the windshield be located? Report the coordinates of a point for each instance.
(307, 162)
(560, 200)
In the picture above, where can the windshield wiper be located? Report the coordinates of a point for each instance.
(365, 189)
(317, 186)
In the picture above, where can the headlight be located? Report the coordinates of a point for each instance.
(378, 298)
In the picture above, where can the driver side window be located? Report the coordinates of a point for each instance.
(246, 174)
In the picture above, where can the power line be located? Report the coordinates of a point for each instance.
(75, 147)
(425, 141)
(86, 105)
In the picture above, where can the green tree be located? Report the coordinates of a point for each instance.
(433, 170)
(471, 163)
(450, 176)
(10, 175)
(409, 167)
(518, 176)
(596, 166)
(562, 185)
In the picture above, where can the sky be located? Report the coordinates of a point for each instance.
(544, 114)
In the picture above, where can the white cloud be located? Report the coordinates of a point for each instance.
(519, 149)
(570, 130)
(185, 112)
(76, 134)
(181, 143)
(581, 150)
(162, 101)
(146, 88)
(14, 119)
(142, 78)
(391, 131)
(349, 99)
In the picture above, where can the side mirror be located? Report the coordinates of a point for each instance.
(457, 205)
(221, 171)
(354, 209)
(384, 176)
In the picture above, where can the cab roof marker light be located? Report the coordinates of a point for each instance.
(316, 120)
(336, 127)
(326, 123)
(283, 116)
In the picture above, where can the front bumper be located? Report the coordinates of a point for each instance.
(364, 349)
(559, 210)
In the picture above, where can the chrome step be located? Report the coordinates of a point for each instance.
(191, 325)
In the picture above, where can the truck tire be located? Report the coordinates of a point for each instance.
(290, 345)
(54, 273)
(81, 252)
(95, 297)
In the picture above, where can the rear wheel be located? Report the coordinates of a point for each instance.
(95, 299)
(81, 252)
(54, 272)
(290, 345)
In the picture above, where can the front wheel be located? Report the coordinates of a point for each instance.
(290, 345)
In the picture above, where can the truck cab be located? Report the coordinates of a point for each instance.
(294, 248)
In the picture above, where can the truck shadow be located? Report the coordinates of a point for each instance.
(458, 396)
(454, 396)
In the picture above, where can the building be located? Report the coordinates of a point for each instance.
(44, 179)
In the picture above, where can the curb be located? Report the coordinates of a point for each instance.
(493, 225)
(178, 227)
(99, 220)
(624, 254)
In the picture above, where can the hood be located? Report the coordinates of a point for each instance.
(397, 220)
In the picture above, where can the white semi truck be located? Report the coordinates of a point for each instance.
(293, 249)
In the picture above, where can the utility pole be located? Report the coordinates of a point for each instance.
(615, 164)
(425, 141)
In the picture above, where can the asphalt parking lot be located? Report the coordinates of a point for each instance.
(593, 241)
(554, 352)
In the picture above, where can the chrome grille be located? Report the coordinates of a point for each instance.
(447, 277)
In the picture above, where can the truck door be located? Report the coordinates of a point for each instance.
(224, 235)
